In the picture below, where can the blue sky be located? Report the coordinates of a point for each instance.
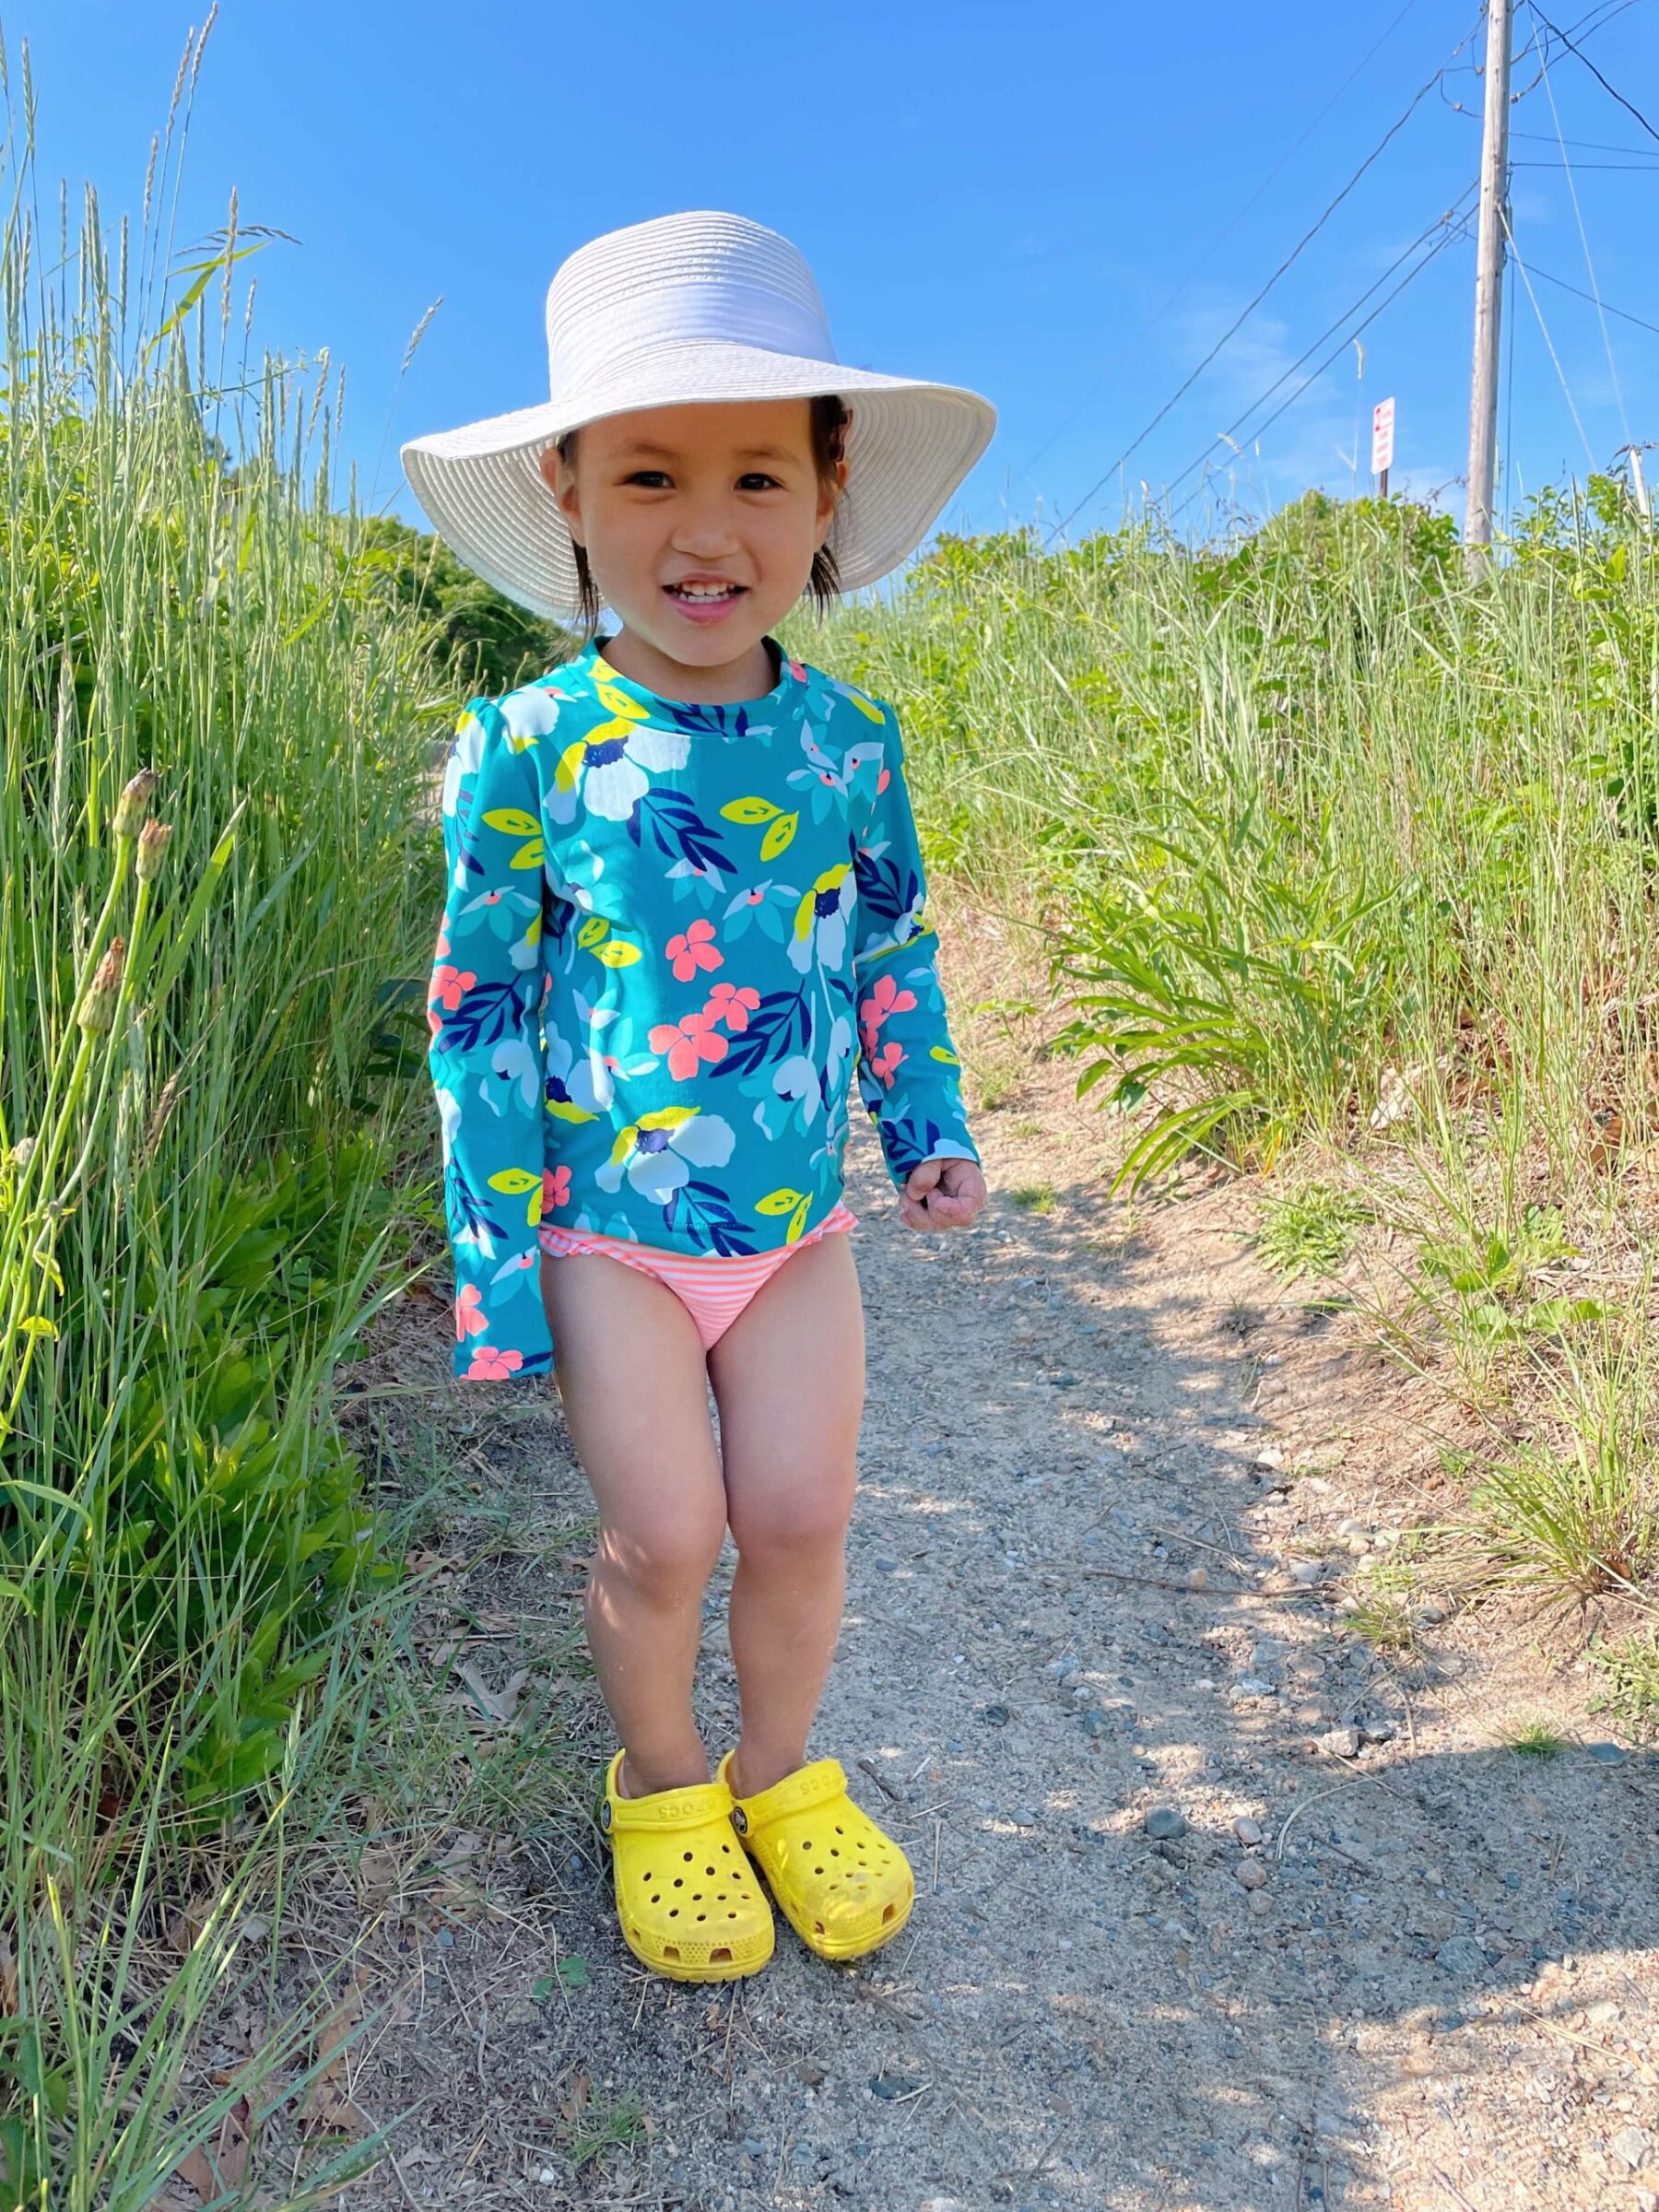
(1062, 206)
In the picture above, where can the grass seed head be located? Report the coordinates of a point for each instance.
(133, 801)
(97, 1008)
(153, 840)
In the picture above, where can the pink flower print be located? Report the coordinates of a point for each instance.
(733, 1004)
(887, 998)
(883, 780)
(443, 945)
(690, 950)
(450, 987)
(687, 1044)
(886, 1062)
(488, 1365)
(556, 1189)
(470, 1317)
(797, 670)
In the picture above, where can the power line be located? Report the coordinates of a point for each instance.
(1451, 238)
(1595, 72)
(1306, 240)
(1549, 341)
(1588, 145)
(1454, 214)
(1125, 350)
(1584, 242)
(1579, 293)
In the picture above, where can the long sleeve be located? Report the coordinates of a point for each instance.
(909, 1076)
(484, 1011)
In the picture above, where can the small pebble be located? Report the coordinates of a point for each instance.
(1250, 1874)
(1163, 1823)
(1305, 1572)
(1197, 1578)
(1247, 1831)
(1630, 2145)
(1609, 1755)
(1461, 1954)
(1261, 1904)
(1340, 1743)
(1430, 1613)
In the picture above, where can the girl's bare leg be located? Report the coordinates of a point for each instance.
(629, 1366)
(789, 1383)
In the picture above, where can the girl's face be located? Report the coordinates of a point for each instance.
(720, 495)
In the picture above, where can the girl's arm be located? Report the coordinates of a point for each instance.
(483, 1011)
(909, 1076)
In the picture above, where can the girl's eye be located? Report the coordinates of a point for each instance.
(751, 478)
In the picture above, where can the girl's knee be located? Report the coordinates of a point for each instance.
(670, 1555)
(794, 1529)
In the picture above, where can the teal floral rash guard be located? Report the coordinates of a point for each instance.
(672, 935)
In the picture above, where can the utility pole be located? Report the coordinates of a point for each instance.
(1489, 287)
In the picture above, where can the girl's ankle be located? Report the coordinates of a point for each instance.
(630, 1784)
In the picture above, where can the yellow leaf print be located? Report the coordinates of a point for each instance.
(755, 810)
(569, 765)
(779, 836)
(628, 709)
(799, 1222)
(513, 820)
(864, 706)
(592, 930)
(617, 954)
(780, 1202)
(938, 1053)
(512, 1182)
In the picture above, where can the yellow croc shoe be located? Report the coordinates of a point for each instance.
(686, 1898)
(843, 1885)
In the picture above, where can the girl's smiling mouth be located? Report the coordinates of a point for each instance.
(705, 600)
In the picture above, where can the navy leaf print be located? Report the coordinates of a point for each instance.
(779, 1025)
(488, 1013)
(467, 1210)
(885, 894)
(679, 830)
(702, 1210)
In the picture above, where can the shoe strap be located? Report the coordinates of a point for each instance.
(820, 1781)
(663, 1811)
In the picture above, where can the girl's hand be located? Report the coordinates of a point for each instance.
(942, 1194)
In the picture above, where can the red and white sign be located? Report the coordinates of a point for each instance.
(1383, 416)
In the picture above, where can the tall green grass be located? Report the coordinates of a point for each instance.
(1320, 841)
(203, 1176)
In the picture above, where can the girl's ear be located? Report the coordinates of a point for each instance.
(560, 479)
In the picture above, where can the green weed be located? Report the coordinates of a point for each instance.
(1534, 1739)
(1629, 1668)
(1310, 1230)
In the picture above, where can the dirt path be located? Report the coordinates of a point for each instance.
(1072, 1607)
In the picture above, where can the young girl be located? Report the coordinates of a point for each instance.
(684, 906)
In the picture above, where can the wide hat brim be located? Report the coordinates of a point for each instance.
(908, 447)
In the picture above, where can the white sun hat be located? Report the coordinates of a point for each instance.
(696, 306)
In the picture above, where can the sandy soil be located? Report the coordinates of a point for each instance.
(1094, 1450)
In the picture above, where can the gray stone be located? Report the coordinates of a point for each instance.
(1163, 1823)
(1250, 1874)
(1609, 1755)
(1461, 1954)
(1630, 2145)
(1340, 1743)
(1247, 1831)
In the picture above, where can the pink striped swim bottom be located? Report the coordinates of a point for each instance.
(713, 1287)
